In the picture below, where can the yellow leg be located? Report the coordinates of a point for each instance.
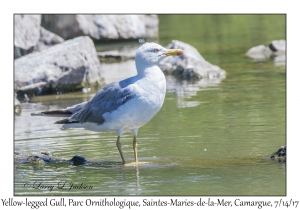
(134, 144)
(119, 146)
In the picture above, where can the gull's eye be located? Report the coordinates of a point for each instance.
(155, 50)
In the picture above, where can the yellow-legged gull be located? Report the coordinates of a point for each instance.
(126, 105)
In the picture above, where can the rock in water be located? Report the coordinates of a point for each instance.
(39, 158)
(191, 64)
(278, 45)
(281, 152)
(259, 52)
(78, 160)
(275, 50)
(63, 67)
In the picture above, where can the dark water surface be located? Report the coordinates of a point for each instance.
(211, 137)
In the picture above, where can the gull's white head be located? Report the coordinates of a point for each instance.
(151, 54)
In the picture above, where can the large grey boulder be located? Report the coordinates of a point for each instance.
(189, 65)
(27, 33)
(67, 66)
(30, 36)
(102, 26)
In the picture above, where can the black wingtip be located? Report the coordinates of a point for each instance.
(57, 112)
(65, 121)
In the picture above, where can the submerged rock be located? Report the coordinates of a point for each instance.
(40, 158)
(189, 65)
(78, 160)
(281, 152)
(32, 158)
(102, 26)
(70, 65)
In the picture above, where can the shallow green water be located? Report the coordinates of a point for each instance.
(210, 138)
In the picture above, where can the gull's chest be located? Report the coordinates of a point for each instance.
(152, 90)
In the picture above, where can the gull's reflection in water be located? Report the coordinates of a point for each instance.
(128, 175)
(133, 187)
(186, 89)
(137, 178)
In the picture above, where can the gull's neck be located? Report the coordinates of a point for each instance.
(144, 69)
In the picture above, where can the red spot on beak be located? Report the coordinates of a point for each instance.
(179, 52)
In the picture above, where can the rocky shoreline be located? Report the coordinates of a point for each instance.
(61, 67)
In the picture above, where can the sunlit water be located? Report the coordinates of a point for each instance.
(210, 137)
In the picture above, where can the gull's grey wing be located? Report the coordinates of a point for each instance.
(77, 107)
(108, 99)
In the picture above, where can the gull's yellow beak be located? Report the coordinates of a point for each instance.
(173, 52)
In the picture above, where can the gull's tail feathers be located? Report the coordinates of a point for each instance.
(53, 113)
(67, 112)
